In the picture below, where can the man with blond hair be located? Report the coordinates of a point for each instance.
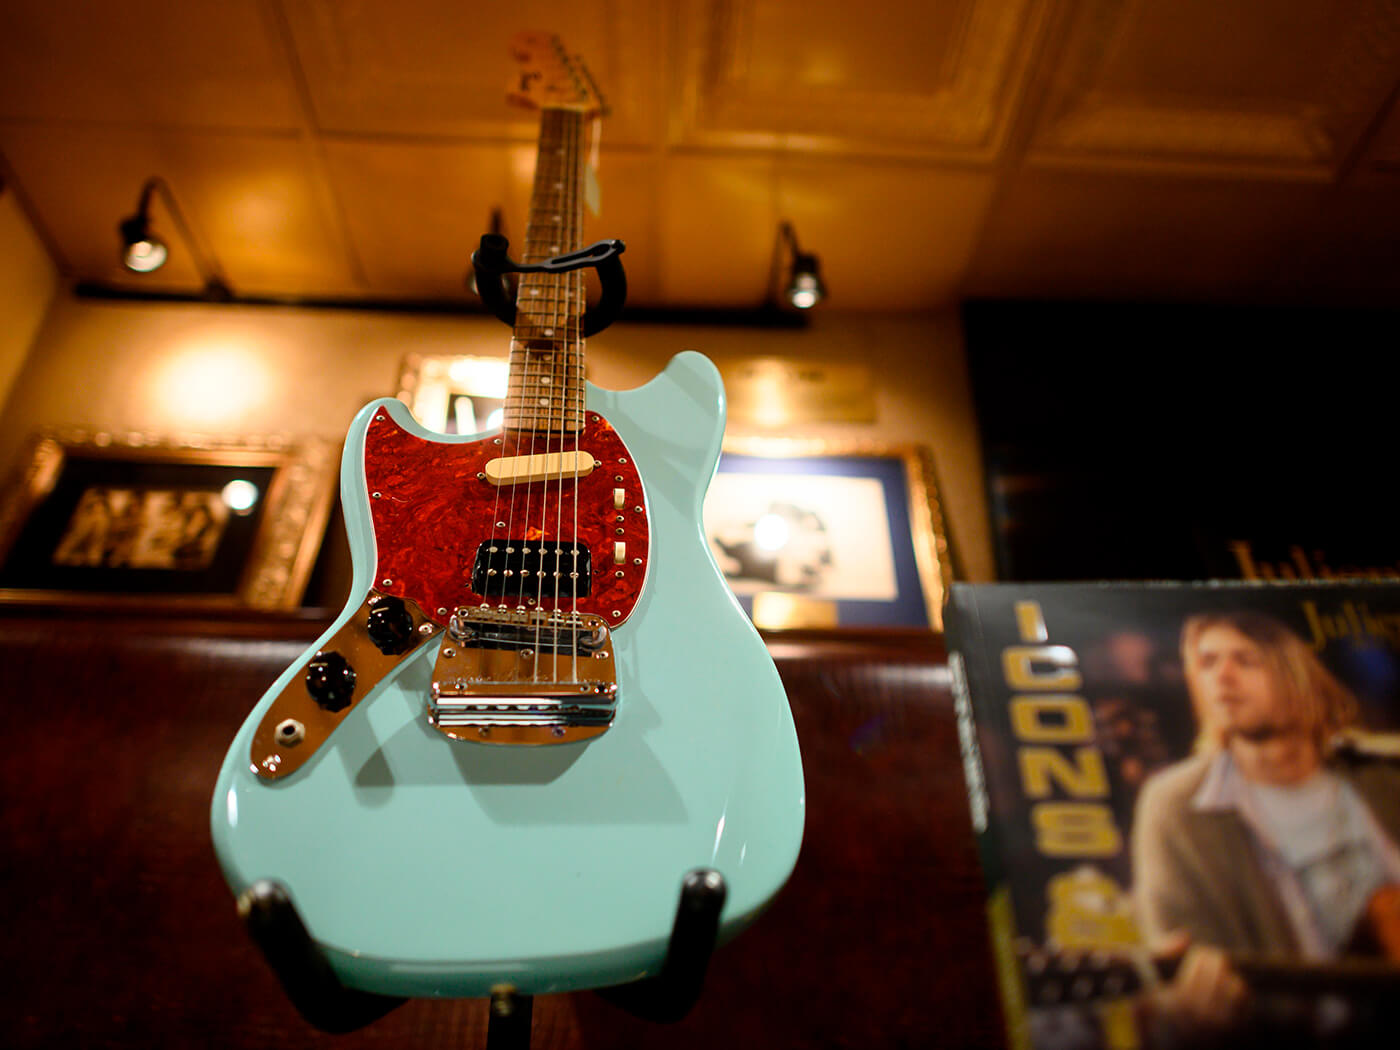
(1270, 840)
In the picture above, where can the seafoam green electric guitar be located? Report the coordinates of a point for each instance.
(542, 706)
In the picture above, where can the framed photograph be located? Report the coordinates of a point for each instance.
(139, 520)
(816, 534)
(454, 394)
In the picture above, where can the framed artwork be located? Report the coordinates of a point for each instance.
(454, 394)
(819, 534)
(138, 520)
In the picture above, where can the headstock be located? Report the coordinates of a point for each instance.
(549, 77)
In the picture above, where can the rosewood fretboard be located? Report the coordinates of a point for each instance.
(546, 388)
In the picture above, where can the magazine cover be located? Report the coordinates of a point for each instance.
(1187, 798)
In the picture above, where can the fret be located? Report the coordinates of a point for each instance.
(545, 387)
(552, 396)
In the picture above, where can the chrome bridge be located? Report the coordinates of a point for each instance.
(523, 677)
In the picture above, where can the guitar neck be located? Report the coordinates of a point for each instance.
(546, 383)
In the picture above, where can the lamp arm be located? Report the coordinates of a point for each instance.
(215, 283)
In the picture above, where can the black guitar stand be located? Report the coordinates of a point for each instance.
(492, 264)
(313, 988)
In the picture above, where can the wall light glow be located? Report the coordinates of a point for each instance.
(210, 384)
(485, 377)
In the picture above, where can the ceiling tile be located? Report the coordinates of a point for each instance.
(890, 236)
(145, 62)
(927, 79)
(416, 211)
(442, 67)
(1221, 85)
(717, 208)
(1064, 234)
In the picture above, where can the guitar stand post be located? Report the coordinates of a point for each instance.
(272, 920)
(313, 988)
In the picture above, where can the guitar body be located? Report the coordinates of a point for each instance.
(424, 865)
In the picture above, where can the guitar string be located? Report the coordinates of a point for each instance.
(573, 320)
(564, 323)
(545, 170)
(576, 322)
(551, 333)
(529, 288)
(566, 244)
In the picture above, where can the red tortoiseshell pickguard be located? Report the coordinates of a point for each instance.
(431, 511)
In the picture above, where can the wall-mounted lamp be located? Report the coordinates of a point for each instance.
(804, 288)
(143, 251)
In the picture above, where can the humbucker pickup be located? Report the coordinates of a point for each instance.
(517, 569)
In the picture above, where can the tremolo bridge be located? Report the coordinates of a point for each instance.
(524, 677)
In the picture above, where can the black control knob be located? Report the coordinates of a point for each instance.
(331, 681)
(390, 625)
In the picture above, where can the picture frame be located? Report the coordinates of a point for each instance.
(454, 393)
(98, 518)
(825, 534)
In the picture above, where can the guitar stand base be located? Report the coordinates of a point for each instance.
(313, 988)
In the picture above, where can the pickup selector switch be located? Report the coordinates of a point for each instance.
(331, 681)
(390, 625)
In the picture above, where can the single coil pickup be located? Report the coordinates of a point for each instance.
(517, 569)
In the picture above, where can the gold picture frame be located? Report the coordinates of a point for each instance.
(95, 517)
(865, 520)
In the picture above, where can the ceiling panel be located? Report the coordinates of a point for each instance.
(927, 79)
(144, 62)
(1278, 89)
(449, 191)
(712, 208)
(891, 237)
(1382, 158)
(1076, 235)
(442, 67)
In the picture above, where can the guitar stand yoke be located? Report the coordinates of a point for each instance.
(491, 264)
(309, 982)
